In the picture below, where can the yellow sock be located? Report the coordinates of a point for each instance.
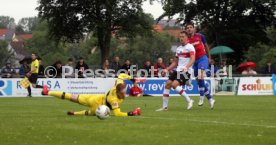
(60, 95)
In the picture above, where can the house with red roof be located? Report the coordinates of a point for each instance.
(22, 37)
(3, 33)
(16, 43)
(158, 28)
(25, 36)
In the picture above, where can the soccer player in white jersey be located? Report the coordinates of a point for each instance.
(185, 58)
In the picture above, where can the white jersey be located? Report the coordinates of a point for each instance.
(184, 54)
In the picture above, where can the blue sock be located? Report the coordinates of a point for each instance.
(201, 86)
(207, 93)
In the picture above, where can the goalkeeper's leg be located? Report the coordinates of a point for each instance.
(81, 99)
(61, 95)
(80, 113)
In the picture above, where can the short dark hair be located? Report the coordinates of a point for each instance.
(70, 59)
(58, 62)
(80, 58)
(189, 24)
(35, 54)
(184, 32)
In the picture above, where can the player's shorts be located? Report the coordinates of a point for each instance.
(202, 63)
(181, 78)
(33, 78)
(93, 101)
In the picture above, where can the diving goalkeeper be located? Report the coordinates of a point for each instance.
(112, 99)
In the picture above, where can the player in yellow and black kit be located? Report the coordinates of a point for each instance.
(33, 74)
(112, 99)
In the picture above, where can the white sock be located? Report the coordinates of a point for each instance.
(166, 95)
(183, 93)
(201, 97)
(165, 102)
(211, 99)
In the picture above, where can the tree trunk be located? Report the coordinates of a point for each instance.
(104, 29)
(104, 39)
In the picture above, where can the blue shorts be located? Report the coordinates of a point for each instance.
(202, 63)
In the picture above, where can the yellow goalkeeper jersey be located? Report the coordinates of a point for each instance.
(112, 100)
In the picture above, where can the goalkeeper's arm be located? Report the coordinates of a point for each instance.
(117, 112)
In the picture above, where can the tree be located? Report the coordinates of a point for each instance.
(140, 49)
(5, 54)
(263, 53)
(19, 30)
(69, 20)
(50, 51)
(235, 23)
(6, 22)
(27, 25)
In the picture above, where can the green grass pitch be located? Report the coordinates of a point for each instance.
(236, 120)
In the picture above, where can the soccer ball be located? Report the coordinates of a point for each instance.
(103, 112)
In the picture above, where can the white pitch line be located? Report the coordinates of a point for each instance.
(213, 122)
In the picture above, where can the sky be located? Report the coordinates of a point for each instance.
(26, 8)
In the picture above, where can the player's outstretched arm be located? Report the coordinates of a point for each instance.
(121, 78)
(117, 112)
(124, 76)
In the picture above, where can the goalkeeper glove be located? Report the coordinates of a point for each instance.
(135, 112)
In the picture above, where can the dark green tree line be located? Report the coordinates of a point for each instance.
(235, 23)
(70, 20)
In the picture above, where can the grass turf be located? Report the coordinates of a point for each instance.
(236, 120)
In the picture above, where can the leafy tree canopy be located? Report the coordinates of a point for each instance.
(238, 24)
(69, 20)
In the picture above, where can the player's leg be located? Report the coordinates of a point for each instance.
(176, 85)
(29, 91)
(196, 69)
(166, 95)
(80, 113)
(203, 89)
(80, 99)
(37, 86)
(33, 81)
(63, 95)
(91, 100)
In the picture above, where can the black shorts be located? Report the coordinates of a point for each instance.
(33, 78)
(180, 77)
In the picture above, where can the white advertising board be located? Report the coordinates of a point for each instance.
(152, 86)
(255, 86)
(11, 87)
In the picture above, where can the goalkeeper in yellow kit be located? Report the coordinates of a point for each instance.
(112, 99)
